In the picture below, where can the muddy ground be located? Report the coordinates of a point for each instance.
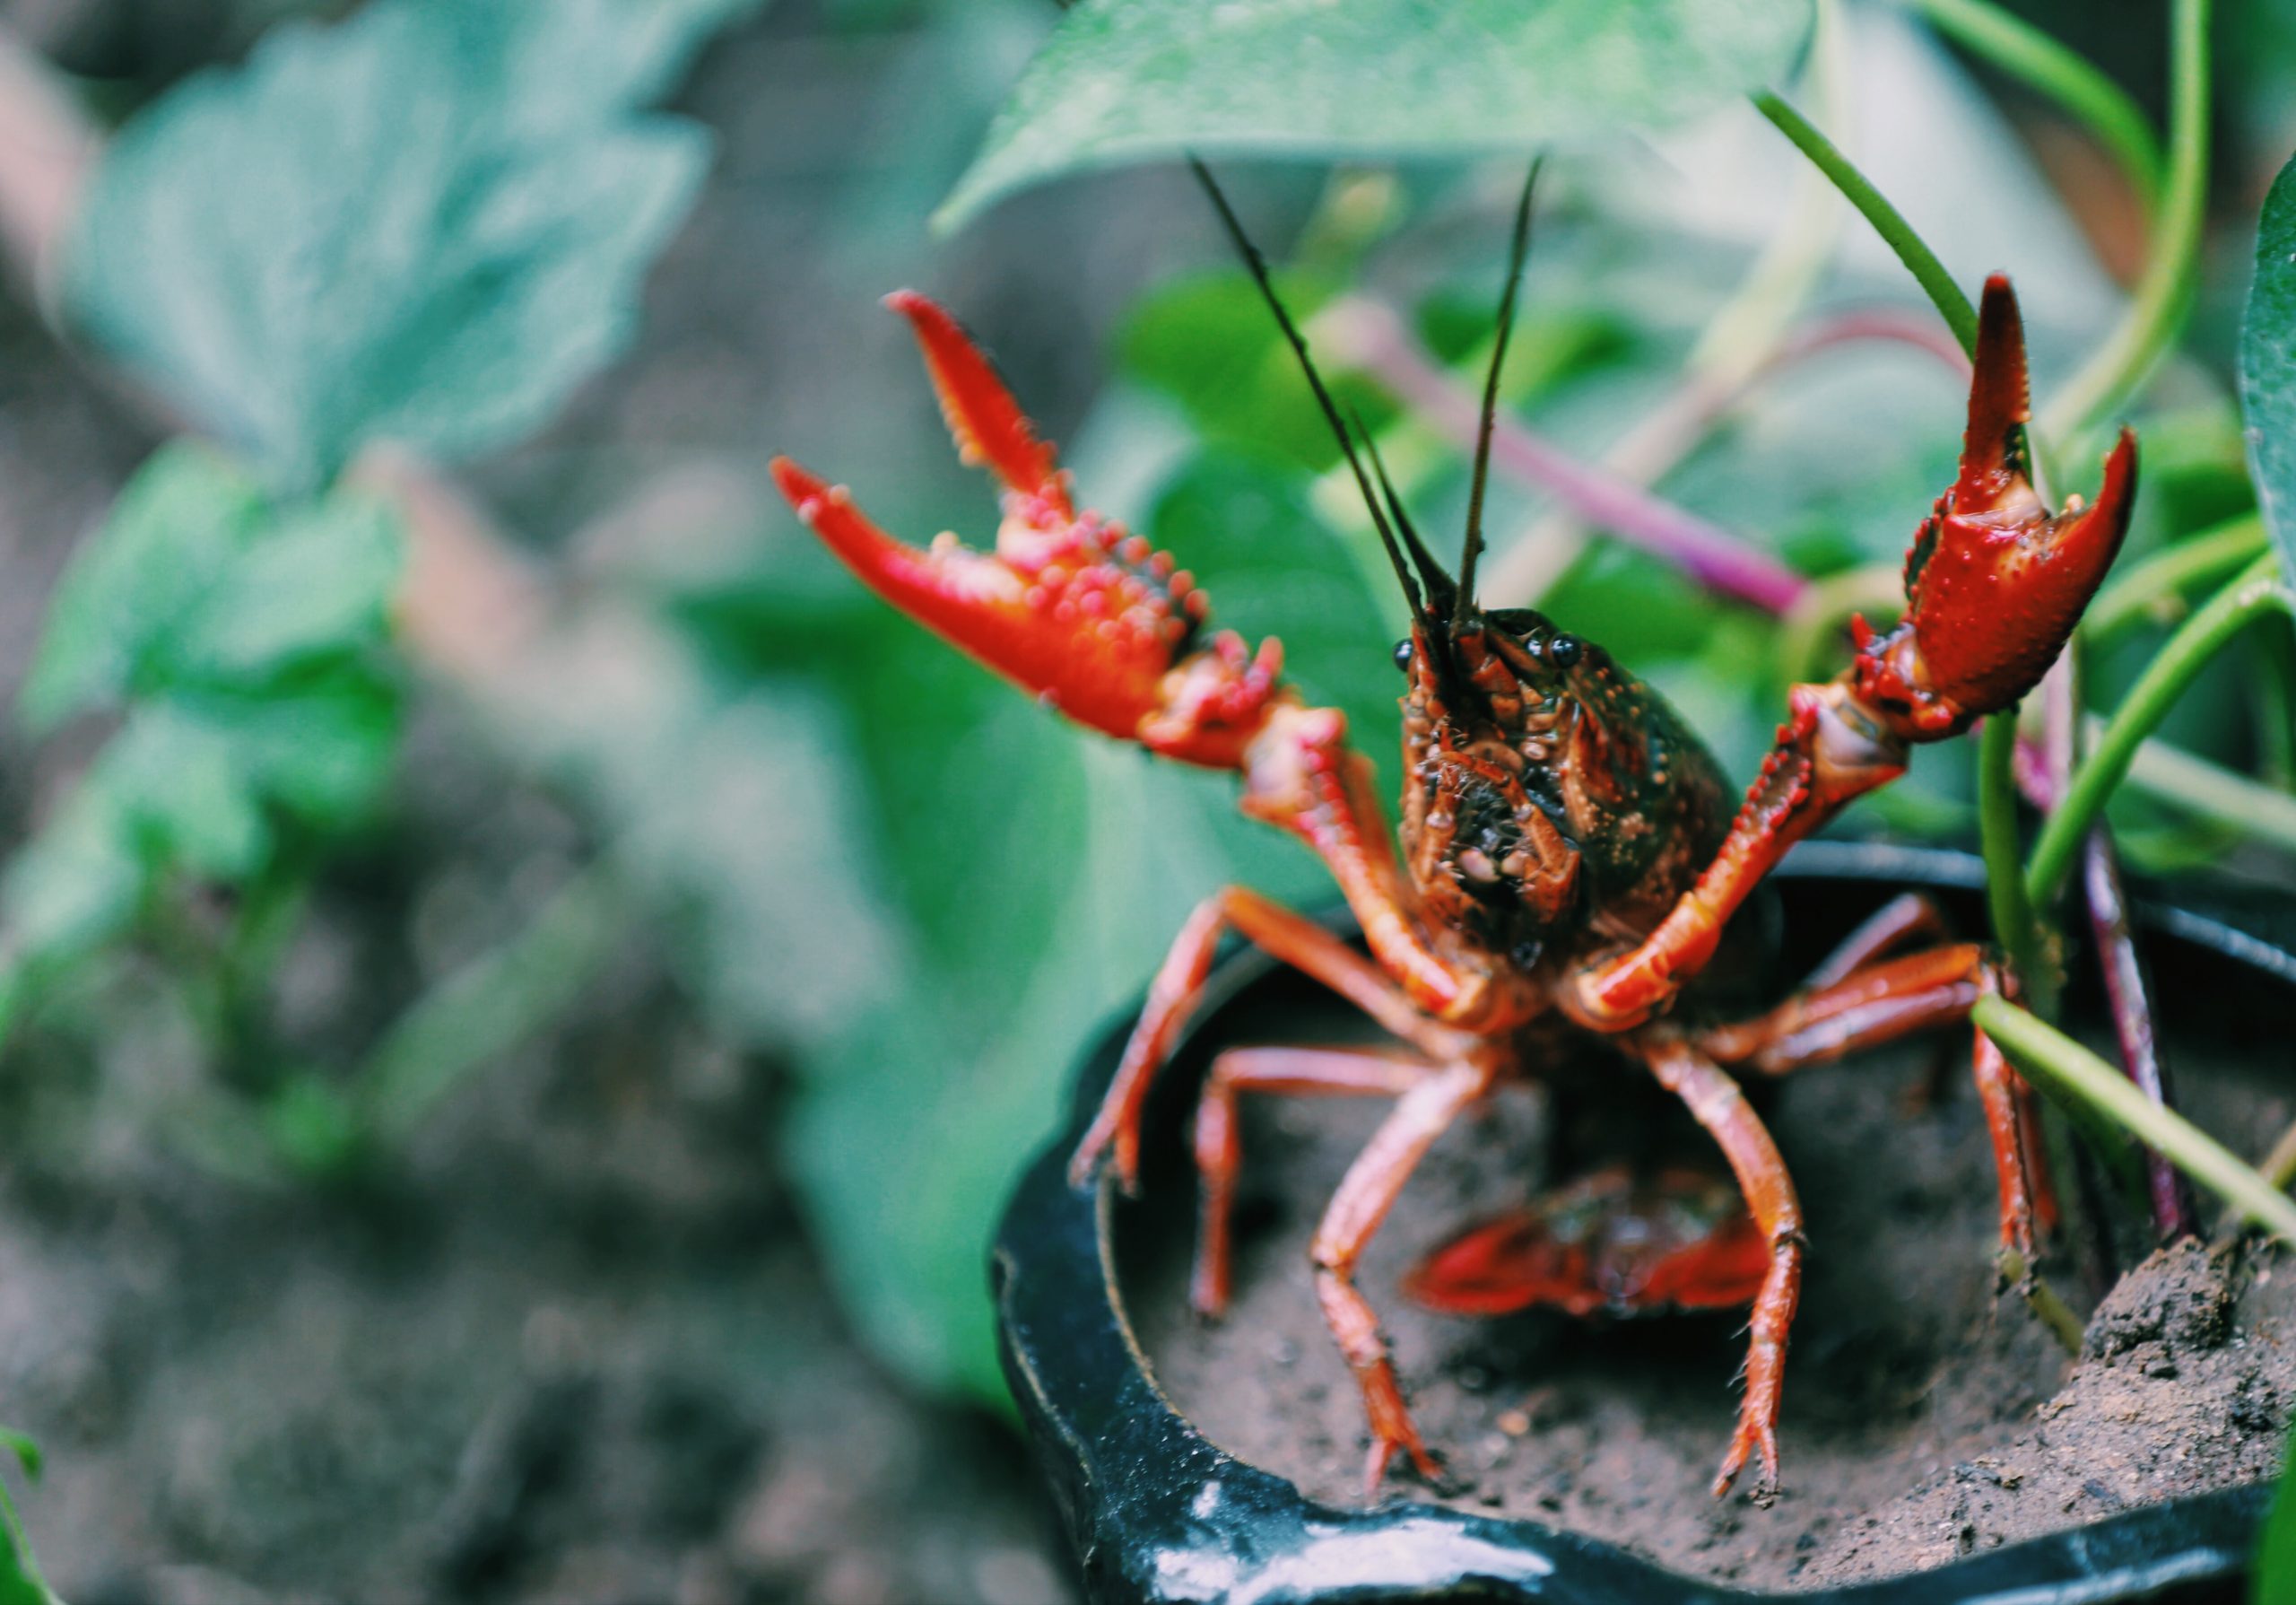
(1924, 1417)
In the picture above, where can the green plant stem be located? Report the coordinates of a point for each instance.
(2161, 580)
(2164, 294)
(2197, 641)
(1888, 222)
(2279, 1167)
(2048, 1305)
(2184, 780)
(482, 1010)
(2015, 924)
(2068, 1071)
(2024, 52)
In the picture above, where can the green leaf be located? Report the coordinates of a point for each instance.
(1131, 79)
(319, 580)
(196, 582)
(1269, 568)
(1209, 343)
(569, 62)
(427, 224)
(2268, 365)
(175, 531)
(2275, 1573)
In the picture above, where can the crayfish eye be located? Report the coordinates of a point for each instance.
(1403, 654)
(1564, 652)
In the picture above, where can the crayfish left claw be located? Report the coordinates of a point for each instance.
(1994, 581)
(986, 423)
(1069, 607)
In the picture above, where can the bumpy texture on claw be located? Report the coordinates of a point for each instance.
(1071, 608)
(1994, 581)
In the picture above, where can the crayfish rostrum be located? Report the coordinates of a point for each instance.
(1568, 853)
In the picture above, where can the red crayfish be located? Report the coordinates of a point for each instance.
(1568, 851)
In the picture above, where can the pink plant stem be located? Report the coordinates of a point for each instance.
(1923, 332)
(2041, 768)
(2174, 1212)
(1371, 337)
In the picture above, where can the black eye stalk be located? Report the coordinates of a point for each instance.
(1403, 654)
(1564, 652)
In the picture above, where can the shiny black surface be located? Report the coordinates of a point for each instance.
(1157, 1513)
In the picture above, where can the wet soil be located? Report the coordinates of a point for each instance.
(1924, 1416)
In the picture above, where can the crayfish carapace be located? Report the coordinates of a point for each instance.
(1568, 845)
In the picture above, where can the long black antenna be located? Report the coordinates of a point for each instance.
(1438, 584)
(1253, 261)
(1517, 255)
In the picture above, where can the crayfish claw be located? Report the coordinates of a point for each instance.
(985, 420)
(1995, 580)
(1996, 460)
(1079, 613)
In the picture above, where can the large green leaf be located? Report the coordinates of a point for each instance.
(1126, 80)
(2268, 365)
(427, 223)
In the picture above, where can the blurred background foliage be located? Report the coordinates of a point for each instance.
(598, 260)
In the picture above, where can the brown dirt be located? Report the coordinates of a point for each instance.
(1924, 1417)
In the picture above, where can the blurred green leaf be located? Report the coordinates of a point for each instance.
(571, 62)
(1209, 343)
(173, 534)
(2268, 365)
(195, 581)
(427, 223)
(240, 641)
(1269, 568)
(21, 1583)
(1128, 80)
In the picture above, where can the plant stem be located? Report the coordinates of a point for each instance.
(2049, 1059)
(2127, 996)
(2023, 51)
(1370, 336)
(2043, 1300)
(2164, 293)
(2279, 1167)
(2015, 926)
(2189, 650)
(2161, 580)
(2184, 780)
(1921, 261)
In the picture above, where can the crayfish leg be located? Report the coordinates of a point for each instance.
(1718, 1104)
(1291, 938)
(1893, 997)
(1353, 1216)
(1295, 1072)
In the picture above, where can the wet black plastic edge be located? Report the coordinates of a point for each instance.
(1157, 1513)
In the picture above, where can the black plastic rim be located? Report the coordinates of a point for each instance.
(1158, 1513)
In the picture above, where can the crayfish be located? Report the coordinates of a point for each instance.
(1568, 851)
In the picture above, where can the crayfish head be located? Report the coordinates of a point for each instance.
(1995, 580)
(1551, 794)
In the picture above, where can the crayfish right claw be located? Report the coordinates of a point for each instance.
(1995, 580)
